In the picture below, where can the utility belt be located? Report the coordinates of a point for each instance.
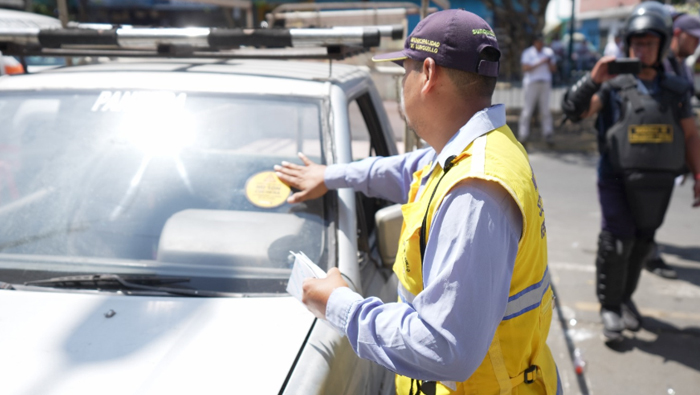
(528, 376)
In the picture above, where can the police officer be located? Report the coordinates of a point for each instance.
(645, 133)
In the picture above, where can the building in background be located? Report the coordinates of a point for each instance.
(600, 20)
(596, 20)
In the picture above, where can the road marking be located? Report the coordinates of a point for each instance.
(655, 313)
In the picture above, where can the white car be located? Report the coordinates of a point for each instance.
(145, 241)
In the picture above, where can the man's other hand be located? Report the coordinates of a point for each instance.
(308, 179)
(318, 290)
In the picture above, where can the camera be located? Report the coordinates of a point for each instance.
(624, 66)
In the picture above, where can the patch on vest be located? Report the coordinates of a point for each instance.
(650, 134)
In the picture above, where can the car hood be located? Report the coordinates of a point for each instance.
(76, 343)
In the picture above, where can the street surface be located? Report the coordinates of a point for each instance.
(664, 357)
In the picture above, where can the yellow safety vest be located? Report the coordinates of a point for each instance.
(518, 360)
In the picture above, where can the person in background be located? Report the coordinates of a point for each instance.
(614, 46)
(537, 62)
(582, 55)
(686, 36)
(475, 298)
(559, 55)
(646, 130)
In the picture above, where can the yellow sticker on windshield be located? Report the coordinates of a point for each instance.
(266, 190)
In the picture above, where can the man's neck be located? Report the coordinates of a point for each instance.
(452, 122)
(648, 73)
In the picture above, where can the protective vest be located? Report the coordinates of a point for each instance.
(647, 136)
(518, 360)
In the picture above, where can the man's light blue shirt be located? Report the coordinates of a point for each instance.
(443, 333)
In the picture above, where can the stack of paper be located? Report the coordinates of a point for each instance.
(303, 268)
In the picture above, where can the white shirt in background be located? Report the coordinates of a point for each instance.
(611, 48)
(531, 57)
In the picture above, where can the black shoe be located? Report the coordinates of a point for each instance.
(612, 324)
(631, 317)
(660, 268)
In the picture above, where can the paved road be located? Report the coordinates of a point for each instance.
(664, 357)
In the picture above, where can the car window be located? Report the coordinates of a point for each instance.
(367, 140)
(361, 143)
(163, 177)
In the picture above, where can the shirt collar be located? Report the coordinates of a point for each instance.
(482, 122)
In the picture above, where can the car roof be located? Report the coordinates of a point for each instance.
(11, 18)
(304, 78)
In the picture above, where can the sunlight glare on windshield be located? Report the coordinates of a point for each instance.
(162, 134)
(154, 121)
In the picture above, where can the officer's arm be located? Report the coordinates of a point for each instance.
(692, 152)
(692, 144)
(580, 100)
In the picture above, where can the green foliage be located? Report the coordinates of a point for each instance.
(688, 8)
(43, 9)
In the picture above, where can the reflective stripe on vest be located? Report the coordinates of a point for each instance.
(520, 303)
(527, 299)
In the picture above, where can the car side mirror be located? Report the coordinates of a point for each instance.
(389, 221)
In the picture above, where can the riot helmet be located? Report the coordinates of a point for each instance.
(650, 17)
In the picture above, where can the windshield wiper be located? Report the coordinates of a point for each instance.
(114, 281)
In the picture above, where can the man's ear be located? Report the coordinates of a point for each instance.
(430, 75)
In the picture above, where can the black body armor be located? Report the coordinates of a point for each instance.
(647, 136)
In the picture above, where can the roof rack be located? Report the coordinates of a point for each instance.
(86, 40)
(341, 14)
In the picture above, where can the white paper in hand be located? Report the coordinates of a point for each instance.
(303, 268)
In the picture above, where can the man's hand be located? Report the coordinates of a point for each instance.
(308, 179)
(600, 74)
(318, 290)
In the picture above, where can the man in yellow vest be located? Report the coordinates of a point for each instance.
(475, 298)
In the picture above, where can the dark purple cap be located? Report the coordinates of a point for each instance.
(689, 24)
(453, 38)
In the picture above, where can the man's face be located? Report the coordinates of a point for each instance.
(645, 48)
(538, 44)
(686, 44)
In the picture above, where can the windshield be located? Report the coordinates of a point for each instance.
(171, 183)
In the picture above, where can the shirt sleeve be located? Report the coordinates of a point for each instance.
(384, 177)
(525, 58)
(445, 333)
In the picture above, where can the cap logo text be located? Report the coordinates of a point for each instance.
(485, 32)
(425, 45)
